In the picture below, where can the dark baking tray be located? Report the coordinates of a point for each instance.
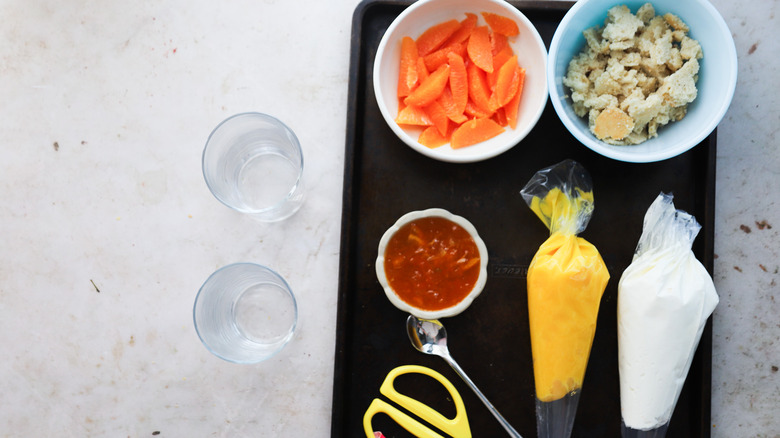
(384, 179)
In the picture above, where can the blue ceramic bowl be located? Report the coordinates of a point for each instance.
(716, 84)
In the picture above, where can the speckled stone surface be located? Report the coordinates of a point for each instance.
(108, 229)
(746, 335)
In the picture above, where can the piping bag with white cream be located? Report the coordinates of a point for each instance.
(566, 280)
(664, 299)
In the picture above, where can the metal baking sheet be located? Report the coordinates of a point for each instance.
(384, 179)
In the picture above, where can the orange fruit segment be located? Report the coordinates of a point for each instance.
(479, 91)
(432, 38)
(500, 24)
(460, 81)
(438, 116)
(436, 59)
(500, 117)
(479, 49)
(430, 89)
(407, 75)
(506, 84)
(466, 27)
(413, 116)
(513, 107)
(474, 131)
(475, 112)
(498, 42)
(498, 61)
(432, 138)
(422, 71)
(447, 101)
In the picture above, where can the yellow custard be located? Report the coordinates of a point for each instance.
(566, 280)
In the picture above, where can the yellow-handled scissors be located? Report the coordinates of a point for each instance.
(457, 427)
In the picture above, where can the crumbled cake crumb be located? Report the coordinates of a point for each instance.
(636, 74)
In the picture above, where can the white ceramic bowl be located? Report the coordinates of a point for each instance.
(716, 84)
(413, 21)
(428, 314)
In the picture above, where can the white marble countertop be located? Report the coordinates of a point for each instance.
(108, 229)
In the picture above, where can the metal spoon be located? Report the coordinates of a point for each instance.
(430, 337)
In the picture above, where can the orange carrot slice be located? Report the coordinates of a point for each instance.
(506, 84)
(413, 116)
(501, 24)
(432, 138)
(513, 106)
(438, 116)
(430, 89)
(407, 75)
(478, 88)
(475, 131)
(436, 59)
(459, 82)
(432, 38)
(479, 50)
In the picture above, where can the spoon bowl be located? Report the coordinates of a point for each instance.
(430, 337)
(427, 336)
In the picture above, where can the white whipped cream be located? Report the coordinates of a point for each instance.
(664, 299)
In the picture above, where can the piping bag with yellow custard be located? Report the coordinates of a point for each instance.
(566, 280)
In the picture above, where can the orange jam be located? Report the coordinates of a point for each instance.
(432, 263)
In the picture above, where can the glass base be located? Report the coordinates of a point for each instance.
(627, 432)
(555, 419)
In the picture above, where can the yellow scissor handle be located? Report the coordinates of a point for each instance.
(457, 427)
(408, 423)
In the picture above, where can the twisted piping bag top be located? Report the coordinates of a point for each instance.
(561, 196)
(566, 280)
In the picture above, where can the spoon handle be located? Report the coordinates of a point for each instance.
(508, 427)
